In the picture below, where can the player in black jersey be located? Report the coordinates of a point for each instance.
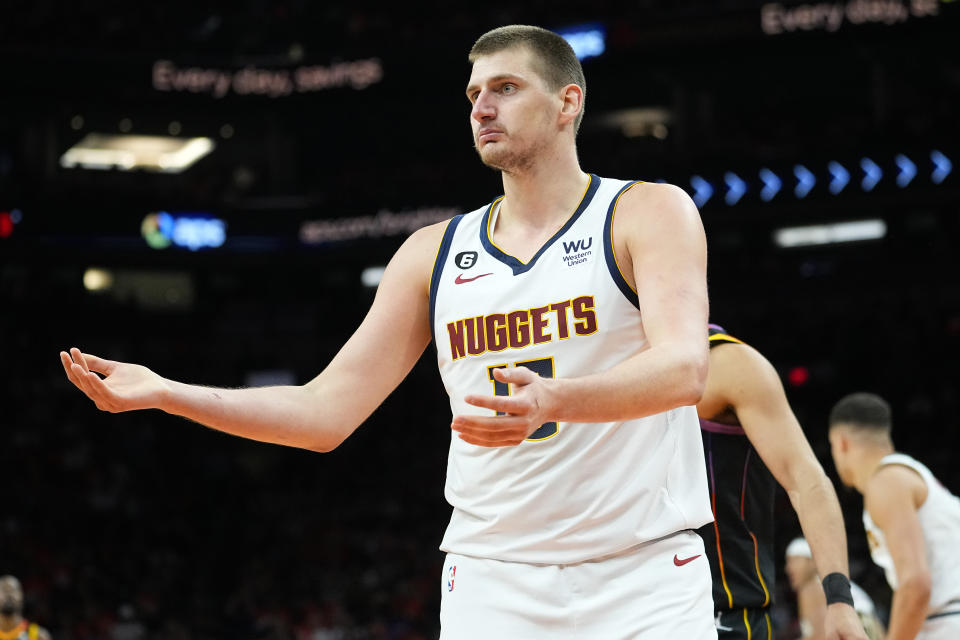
(752, 440)
(13, 626)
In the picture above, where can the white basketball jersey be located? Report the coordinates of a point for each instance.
(940, 520)
(572, 491)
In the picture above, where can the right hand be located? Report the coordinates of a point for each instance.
(124, 387)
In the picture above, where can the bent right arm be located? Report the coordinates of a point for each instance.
(318, 415)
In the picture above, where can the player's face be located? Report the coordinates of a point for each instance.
(514, 114)
(799, 570)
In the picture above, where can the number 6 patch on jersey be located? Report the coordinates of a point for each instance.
(542, 367)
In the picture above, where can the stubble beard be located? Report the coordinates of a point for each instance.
(507, 161)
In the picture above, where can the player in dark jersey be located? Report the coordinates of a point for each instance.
(752, 440)
(13, 626)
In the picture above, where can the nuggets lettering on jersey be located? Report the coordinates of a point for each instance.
(522, 328)
(572, 491)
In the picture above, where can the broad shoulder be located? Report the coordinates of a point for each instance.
(892, 488)
(416, 256)
(656, 201)
(738, 377)
(736, 368)
(658, 226)
(427, 236)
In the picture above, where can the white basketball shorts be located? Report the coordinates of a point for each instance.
(654, 591)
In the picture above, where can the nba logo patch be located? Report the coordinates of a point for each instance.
(451, 574)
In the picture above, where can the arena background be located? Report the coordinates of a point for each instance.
(337, 128)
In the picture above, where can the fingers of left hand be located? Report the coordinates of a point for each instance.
(491, 442)
(78, 358)
(503, 404)
(68, 368)
(90, 384)
(484, 430)
(502, 431)
(514, 375)
(80, 378)
(489, 423)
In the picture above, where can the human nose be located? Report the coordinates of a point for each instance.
(483, 108)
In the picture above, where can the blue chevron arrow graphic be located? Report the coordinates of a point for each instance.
(735, 188)
(805, 181)
(839, 177)
(941, 166)
(908, 170)
(871, 174)
(771, 184)
(702, 190)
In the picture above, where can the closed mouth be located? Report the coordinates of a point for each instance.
(484, 135)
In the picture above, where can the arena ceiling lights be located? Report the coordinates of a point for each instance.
(835, 177)
(160, 154)
(835, 233)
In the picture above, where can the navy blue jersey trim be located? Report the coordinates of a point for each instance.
(442, 254)
(612, 266)
(512, 262)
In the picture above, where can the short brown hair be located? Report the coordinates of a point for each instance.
(866, 411)
(553, 57)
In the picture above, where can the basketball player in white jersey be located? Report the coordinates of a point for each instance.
(912, 521)
(568, 319)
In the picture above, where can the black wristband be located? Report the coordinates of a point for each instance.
(836, 586)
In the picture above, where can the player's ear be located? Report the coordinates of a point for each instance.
(843, 439)
(572, 103)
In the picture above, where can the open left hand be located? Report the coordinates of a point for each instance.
(525, 409)
(124, 386)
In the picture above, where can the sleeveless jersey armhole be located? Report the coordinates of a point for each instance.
(442, 252)
(610, 254)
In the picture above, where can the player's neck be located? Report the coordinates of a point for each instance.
(545, 194)
(870, 457)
